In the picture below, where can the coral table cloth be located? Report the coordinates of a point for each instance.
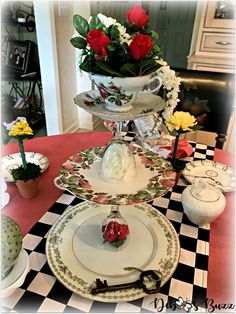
(57, 148)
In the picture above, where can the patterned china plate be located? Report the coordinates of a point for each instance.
(215, 173)
(80, 176)
(14, 160)
(77, 254)
(145, 104)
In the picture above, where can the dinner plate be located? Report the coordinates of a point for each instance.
(77, 254)
(144, 104)
(80, 176)
(215, 173)
(17, 276)
(14, 160)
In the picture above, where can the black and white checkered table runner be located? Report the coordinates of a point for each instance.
(42, 292)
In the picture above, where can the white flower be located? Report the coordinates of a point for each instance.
(124, 37)
(107, 21)
(170, 83)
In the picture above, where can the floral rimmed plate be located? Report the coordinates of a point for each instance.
(14, 160)
(145, 104)
(77, 255)
(80, 176)
(215, 173)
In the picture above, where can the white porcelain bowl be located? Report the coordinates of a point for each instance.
(17, 276)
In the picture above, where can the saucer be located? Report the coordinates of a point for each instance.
(145, 104)
(14, 160)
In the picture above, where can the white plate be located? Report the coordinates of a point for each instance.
(145, 104)
(77, 254)
(217, 174)
(17, 276)
(14, 160)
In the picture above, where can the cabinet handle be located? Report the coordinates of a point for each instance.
(223, 43)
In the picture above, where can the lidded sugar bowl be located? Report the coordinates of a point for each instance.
(202, 202)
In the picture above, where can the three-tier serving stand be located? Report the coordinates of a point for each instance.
(81, 176)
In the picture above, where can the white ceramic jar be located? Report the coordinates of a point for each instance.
(202, 203)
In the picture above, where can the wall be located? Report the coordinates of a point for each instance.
(66, 66)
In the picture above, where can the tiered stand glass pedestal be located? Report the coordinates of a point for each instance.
(76, 249)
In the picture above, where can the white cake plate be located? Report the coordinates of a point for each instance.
(77, 254)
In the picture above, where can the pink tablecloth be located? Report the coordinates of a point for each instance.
(58, 148)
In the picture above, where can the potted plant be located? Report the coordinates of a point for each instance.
(25, 175)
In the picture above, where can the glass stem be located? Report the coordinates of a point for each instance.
(115, 211)
(175, 146)
(22, 154)
(119, 126)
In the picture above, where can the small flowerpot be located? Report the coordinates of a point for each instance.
(119, 93)
(29, 188)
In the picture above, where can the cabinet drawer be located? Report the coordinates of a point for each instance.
(212, 67)
(215, 42)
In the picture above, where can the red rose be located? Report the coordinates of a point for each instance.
(137, 15)
(124, 231)
(111, 231)
(98, 41)
(140, 46)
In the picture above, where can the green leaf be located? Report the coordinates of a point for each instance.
(118, 102)
(197, 127)
(156, 49)
(86, 65)
(105, 67)
(128, 69)
(110, 47)
(154, 36)
(94, 23)
(148, 66)
(78, 42)
(114, 32)
(81, 25)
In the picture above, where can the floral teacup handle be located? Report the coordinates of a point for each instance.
(156, 81)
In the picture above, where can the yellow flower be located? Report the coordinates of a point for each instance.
(20, 128)
(181, 120)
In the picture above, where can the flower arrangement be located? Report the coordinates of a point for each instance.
(112, 49)
(180, 122)
(20, 130)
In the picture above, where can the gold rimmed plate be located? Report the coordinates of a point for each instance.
(77, 254)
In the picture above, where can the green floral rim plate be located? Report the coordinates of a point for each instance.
(77, 256)
(79, 175)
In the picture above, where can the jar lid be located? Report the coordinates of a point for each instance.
(203, 192)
